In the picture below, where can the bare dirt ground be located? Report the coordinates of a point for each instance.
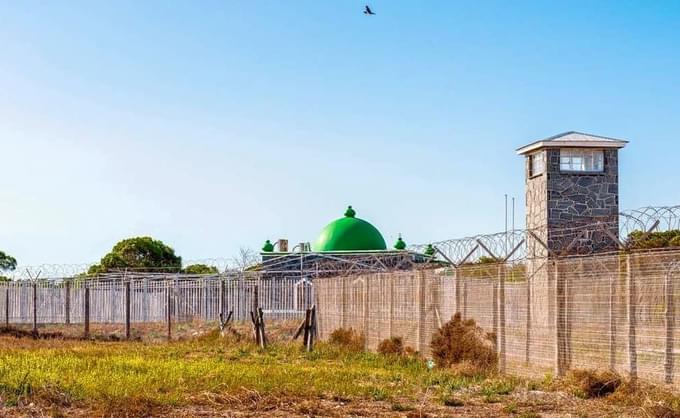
(521, 403)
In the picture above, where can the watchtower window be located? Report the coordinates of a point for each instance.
(582, 160)
(536, 164)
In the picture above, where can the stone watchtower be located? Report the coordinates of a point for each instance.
(572, 193)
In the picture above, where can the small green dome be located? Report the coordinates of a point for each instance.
(400, 244)
(429, 250)
(349, 234)
(268, 247)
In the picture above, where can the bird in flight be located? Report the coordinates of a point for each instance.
(368, 11)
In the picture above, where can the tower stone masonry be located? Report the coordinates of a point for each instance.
(572, 193)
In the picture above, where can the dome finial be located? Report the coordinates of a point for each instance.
(400, 245)
(350, 213)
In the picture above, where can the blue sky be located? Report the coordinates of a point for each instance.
(215, 125)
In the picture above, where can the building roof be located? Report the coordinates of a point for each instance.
(349, 234)
(573, 139)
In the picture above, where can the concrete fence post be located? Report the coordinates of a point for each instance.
(670, 324)
(86, 311)
(494, 310)
(35, 308)
(168, 304)
(67, 302)
(343, 308)
(391, 318)
(465, 298)
(421, 308)
(631, 305)
(367, 292)
(560, 331)
(127, 309)
(501, 316)
(457, 290)
(527, 343)
(7, 306)
(612, 322)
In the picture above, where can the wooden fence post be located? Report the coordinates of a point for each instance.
(35, 308)
(263, 334)
(127, 309)
(310, 328)
(670, 323)
(307, 321)
(67, 302)
(256, 298)
(501, 315)
(87, 311)
(631, 302)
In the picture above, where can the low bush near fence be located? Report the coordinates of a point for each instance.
(348, 339)
(459, 341)
(395, 346)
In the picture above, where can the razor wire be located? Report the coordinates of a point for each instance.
(515, 245)
(511, 246)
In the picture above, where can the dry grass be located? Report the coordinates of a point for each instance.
(211, 375)
(459, 341)
(590, 384)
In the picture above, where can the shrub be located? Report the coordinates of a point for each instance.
(460, 341)
(394, 345)
(348, 339)
(662, 239)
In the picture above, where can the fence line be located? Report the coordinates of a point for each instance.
(147, 299)
(613, 311)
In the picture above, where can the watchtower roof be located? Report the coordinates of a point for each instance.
(573, 139)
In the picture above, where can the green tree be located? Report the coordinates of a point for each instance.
(139, 254)
(7, 263)
(200, 269)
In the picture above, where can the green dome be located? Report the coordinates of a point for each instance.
(349, 234)
(268, 247)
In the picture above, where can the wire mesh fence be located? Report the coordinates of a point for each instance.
(152, 298)
(613, 311)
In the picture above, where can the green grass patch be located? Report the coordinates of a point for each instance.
(172, 374)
